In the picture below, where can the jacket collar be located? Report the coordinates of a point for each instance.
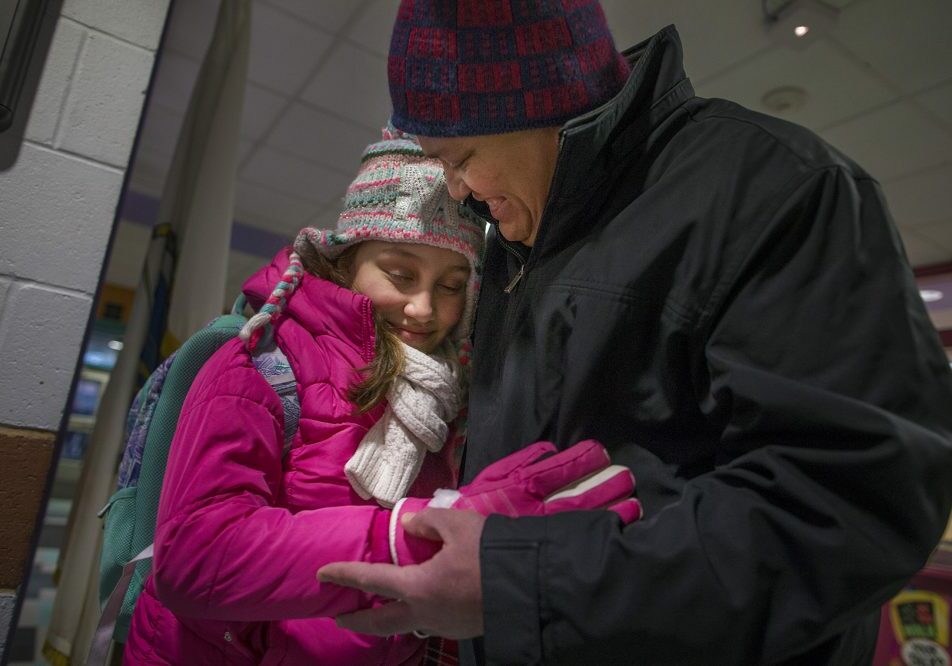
(656, 85)
(321, 307)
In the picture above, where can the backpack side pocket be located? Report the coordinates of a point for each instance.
(118, 526)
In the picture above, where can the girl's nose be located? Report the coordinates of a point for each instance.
(420, 306)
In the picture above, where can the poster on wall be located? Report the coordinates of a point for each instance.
(914, 626)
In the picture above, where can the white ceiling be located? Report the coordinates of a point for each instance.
(878, 86)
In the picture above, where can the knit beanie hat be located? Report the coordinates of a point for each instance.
(399, 195)
(473, 67)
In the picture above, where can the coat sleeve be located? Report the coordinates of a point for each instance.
(833, 479)
(223, 549)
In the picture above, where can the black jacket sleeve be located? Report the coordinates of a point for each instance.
(833, 480)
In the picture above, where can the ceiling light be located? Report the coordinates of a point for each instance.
(115, 345)
(930, 295)
(800, 22)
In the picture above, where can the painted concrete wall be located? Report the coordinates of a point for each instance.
(56, 214)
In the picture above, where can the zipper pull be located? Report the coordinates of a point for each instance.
(515, 280)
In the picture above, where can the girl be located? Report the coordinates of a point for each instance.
(370, 318)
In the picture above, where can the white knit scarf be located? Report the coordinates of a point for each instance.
(424, 399)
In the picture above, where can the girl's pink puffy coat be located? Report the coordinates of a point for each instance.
(241, 533)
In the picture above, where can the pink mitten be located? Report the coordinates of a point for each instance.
(526, 483)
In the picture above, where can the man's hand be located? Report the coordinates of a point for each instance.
(442, 596)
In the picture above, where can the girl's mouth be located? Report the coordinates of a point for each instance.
(411, 337)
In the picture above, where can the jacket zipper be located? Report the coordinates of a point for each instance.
(511, 250)
(512, 284)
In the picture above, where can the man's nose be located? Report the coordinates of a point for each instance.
(456, 186)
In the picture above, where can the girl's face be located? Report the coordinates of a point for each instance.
(419, 290)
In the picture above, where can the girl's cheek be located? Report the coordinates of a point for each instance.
(457, 312)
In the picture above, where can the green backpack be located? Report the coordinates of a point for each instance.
(130, 514)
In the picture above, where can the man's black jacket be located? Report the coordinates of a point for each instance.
(722, 299)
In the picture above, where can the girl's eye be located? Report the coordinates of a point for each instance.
(452, 288)
(398, 277)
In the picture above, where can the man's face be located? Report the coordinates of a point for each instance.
(510, 172)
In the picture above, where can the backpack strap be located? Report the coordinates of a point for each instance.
(274, 367)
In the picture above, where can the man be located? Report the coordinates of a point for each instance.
(719, 297)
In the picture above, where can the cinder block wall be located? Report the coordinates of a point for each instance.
(56, 214)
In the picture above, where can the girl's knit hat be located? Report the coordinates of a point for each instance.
(473, 67)
(399, 195)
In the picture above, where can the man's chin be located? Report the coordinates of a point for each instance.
(517, 231)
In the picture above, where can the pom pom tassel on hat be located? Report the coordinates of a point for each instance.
(254, 328)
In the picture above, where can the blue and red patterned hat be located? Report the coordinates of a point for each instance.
(473, 67)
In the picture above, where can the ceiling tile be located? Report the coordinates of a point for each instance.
(353, 84)
(938, 102)
(835, 88)
(272, 210)
(284, 51)
(907, 42)
(261, 108)
(922, 251)
(245, 146)
(327, 14)
(286, 173)
(716, 35)
(191, 26)
(892, 141)
(921, 197)
(372, 29)
(321, 137)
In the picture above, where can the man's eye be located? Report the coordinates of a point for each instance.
(455, 165)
